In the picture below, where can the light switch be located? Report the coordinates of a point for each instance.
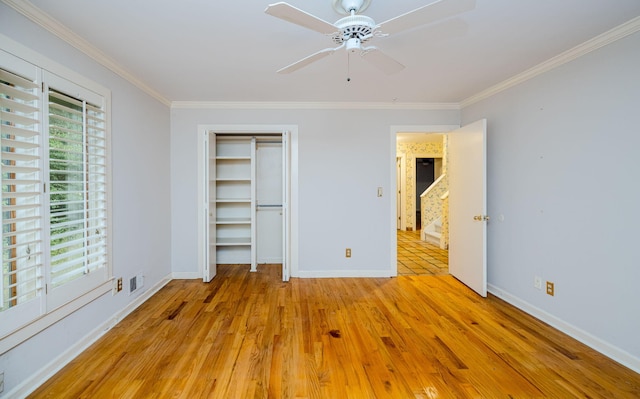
(379, 191)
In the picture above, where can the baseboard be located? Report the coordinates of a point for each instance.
(40, 377)
(269, 261)
(343, 273)
(186, 275)
(611, 351)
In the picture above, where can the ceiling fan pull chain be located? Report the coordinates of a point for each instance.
(348, 66)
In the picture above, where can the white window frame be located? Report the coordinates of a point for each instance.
(51, 309)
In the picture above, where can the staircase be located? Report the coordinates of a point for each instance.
(432, 232)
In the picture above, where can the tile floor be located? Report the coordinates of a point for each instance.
(417, 257)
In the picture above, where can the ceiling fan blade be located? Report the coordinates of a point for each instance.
(382, 61)
(308, 60)
(433, 12)
(295, 15)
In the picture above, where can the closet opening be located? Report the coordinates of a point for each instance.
(246, 191)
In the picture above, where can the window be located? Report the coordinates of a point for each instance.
(22, 274)
(55, 191)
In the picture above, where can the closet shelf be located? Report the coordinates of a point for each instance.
(235, 241)
(233, 221)
(232, 182)
(233, 199)
(241, 158)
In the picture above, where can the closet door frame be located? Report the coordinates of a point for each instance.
(290, 152)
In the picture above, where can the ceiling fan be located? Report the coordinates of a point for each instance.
(352, 31)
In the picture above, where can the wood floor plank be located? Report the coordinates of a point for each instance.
(249, 335)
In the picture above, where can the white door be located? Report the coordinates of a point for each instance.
(398, 195)
(269, 201)
(286, 189)
(210, 269)
(468, 205)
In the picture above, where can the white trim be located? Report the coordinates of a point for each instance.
(578, 51)
(403, 190)
(611, 351)
(46, 372)
(293, 165)
(393, 205)
(395, 129)
(186, 276)
(311, 105)
(428, 190)
(268, 261)
(40, 61)
(54, 26)
(23, 333)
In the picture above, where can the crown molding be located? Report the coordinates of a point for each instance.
(312, 105)
(39, 17)
(630, 27)
(55, 27)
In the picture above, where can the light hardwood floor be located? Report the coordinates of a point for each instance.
(249, 335)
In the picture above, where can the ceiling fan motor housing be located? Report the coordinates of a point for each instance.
(359, 27)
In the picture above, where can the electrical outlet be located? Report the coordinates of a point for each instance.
(117, 286)
(550, 288)
(537, 282)
(348, 253)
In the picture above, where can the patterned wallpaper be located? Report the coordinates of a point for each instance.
(410, 151)
(444, 235)
(431, 203)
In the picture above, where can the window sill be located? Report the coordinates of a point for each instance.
(22, 334)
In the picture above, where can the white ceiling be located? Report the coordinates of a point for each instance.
(210, 50)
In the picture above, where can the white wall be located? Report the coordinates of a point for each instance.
(344, 155)
(141, 201)
(563, 167)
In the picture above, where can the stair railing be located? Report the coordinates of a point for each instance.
(431, 202)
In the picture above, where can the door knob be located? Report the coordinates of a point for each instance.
(480, 218)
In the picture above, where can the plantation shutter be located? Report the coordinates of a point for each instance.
(77, 191)
(54, 201)
(21, 289)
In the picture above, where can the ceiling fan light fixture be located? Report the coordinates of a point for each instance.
(354, 44)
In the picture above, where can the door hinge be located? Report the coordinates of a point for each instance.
(42, 86)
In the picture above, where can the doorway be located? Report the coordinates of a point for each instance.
(425, 176)
(422, 161)
(233, 164)
(466, 147)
